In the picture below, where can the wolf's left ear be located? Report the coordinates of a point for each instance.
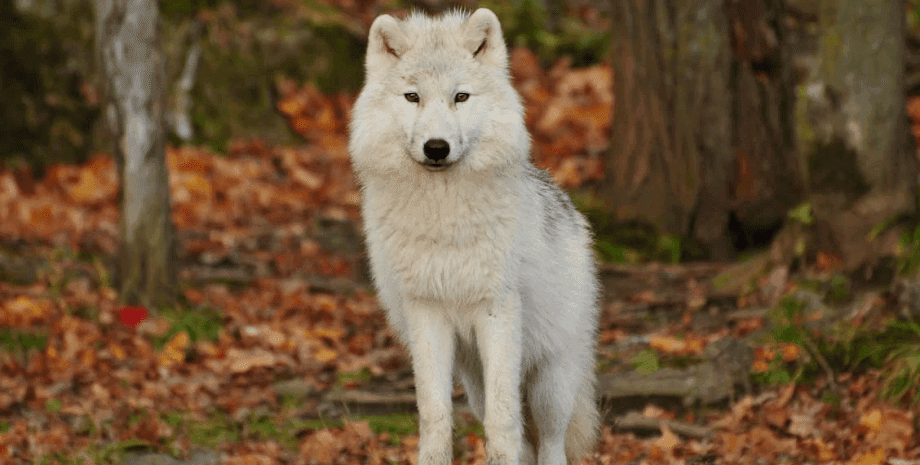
(483, 38)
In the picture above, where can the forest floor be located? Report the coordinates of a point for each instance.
(278, 351)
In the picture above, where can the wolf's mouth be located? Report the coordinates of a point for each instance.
(435, 165)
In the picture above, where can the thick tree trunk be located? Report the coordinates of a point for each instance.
(861, 165)
(671, 71)
(768, 178)
(134, 67)
(698, 128)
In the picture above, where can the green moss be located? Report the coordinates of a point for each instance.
(646, 362)
(354, 376)
(44, 61)
(20, 343)
(397, 425)
(525, 25)
(632, 242)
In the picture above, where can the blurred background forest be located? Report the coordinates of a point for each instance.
(749, 167)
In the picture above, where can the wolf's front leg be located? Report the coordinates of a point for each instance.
(431, 342)
(498, 334)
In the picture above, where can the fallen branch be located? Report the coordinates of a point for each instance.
(371, 398)
(636, 422)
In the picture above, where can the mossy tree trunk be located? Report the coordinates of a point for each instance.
(862, 169)
(698, 130)
(134, 68)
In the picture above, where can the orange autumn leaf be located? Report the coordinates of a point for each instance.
(24, 310)
(117, 351)
(672, 345)
(332, 333)
(301, 125)
(871, 420)
(668, 439)
(293, 105)
(325, 118)
(325, 355)
(823, 450)
(764, 353)
(790, 352)
(96, 182)
(322, 447)
(196, 184)
(663, 447)
(241, 361)
(876, 457)
(913, 108)
(666, 344)
(888, 428)
(826, 261)
(174, 350)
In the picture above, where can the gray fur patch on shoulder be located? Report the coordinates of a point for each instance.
(558, 211)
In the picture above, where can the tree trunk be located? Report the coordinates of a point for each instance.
(768, 178)
(134, 67)
(861, 165)
(698, 130)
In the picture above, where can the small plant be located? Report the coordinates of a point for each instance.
(802, 214)
(346, 378)
(783, 361)
(397, 425)
(646, 362)
(777, 364)
(908, 262)
(901, 373)
(839, 290)
(201, 324)
(20, 343)
(669, 249)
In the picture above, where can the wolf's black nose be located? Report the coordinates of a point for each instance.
(436, 149)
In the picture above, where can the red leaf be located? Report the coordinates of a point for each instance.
(131, 316)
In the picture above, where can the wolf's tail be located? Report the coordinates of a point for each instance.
(581, 436)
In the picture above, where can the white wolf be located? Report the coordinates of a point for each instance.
(483, 264)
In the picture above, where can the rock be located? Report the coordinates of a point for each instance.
(196, 457)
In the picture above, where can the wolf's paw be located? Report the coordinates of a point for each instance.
(439, 457)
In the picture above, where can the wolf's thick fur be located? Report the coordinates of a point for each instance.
(482, 263)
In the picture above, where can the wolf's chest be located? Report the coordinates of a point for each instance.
(439, 255)
(461, 265)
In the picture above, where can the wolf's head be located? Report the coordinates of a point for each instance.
(437, 97)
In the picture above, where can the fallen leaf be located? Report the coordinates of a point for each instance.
(321, 447)
(174, 350)
(132, 316)
(876, 457)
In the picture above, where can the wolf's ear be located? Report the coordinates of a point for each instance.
(483, 38)
(386, 42)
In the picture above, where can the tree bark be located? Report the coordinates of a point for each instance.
(127, 33)
(666, 62)
(861, 165)
(699, 131)
(768, 178)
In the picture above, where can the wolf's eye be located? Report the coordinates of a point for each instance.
(411, 96)
(461, 97)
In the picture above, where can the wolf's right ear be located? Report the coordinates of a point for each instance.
(386, 42)
(483, 38)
